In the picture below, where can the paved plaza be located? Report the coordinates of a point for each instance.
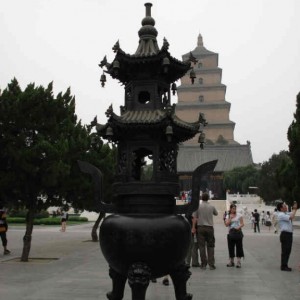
(68, 266)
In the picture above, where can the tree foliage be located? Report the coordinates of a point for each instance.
(271, 177)
(285, 178)
(294, 147)
(240, 179)
(41, 141)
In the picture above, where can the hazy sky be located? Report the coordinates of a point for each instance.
(258, 42)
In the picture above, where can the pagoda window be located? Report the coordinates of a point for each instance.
(201, 98)
(200, 80)
(144, 97)
(200, 65)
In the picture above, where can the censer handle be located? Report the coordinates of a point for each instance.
(97, 176)
(198, 174)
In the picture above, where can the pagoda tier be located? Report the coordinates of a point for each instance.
(160, 66)
(160, 124)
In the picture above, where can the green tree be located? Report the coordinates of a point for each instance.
(294, 148)
(80, 192)
(239, 179)
(41, 141)
(271, 170)
(285, 177)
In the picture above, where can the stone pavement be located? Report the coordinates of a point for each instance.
(68, 266)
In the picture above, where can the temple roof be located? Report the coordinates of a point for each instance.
(152, 117)
(228, 156)
(133, 67)
(132, 119)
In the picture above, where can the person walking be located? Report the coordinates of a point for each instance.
(192, 255)
(64, 219)
(263, 218)
(286, 236)
(252, 220)
(203, 220)
(268, 221)
(224, 216)
(256, 221)
(3, 229)
(235, 223)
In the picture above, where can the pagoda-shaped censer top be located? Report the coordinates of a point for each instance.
(147, 127)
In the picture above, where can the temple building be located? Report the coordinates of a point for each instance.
(207, 95)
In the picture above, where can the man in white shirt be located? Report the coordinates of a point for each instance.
(286, 236)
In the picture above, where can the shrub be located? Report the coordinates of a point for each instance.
(15, 220)
(42, 215)
(22, 214)
(47, 221)
(44, 221)
(18, 213)
(78, 219)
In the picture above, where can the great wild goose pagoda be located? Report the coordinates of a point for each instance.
(207, 95)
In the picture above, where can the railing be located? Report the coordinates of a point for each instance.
(243, 198)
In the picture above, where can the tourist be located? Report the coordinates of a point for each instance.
(192, 255)
(234, 221)
(64, 219)
(256, 221)
(195, 252)
(252, 220)
(3, 229)
(286, 236)
(183, 196)
(268, 221)
(275, 220)
(189, 197)
(224, 216)
(263, 218)
(203, 220)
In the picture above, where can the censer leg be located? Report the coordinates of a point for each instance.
(138, 278)
(118, 281)
(179, 277)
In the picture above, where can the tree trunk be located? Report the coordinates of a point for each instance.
(27, 236)
(96, 225)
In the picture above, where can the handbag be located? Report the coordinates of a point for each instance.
(2, 228)
(235, 234)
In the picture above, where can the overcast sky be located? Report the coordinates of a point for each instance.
(258, 42)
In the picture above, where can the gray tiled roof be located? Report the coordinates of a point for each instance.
(152, 117)
(228, 156)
